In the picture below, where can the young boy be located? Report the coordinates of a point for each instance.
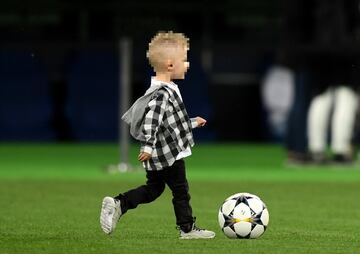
(160, 121)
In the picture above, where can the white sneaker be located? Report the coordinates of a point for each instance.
(110, 214)
(197, 233)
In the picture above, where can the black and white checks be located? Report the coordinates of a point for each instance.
(167, 129)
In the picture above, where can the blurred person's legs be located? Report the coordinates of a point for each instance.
(296, 141)
(344, 101)
(318, 122)
(343, 122)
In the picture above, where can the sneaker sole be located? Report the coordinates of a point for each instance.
(107, 201)
(192, 237)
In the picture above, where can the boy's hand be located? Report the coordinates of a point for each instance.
(200, 121)
(144, 156)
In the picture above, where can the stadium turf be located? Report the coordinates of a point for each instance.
(51, 196)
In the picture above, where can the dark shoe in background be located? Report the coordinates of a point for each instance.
(297, 159)
(342, 160)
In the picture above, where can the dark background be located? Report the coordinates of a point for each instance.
(59, 62)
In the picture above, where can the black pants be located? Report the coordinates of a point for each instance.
(296, 140)
(175, 177)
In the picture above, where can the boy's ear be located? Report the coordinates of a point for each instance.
(169, 65)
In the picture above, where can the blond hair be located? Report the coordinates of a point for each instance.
(163, 45)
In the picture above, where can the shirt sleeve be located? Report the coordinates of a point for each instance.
(194, 123)
(153, 119)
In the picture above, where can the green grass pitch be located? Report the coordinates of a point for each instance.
(50, 198)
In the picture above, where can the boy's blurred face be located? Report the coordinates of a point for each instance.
(179, 64)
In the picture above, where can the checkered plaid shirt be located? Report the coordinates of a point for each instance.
(167, 129)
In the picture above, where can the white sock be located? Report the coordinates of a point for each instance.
(318, 120)
(346, 103)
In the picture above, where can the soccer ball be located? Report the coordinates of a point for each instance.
(243, 215)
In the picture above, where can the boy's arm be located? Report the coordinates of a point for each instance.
(153, 119)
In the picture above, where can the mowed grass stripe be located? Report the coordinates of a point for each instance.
(211, 162)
